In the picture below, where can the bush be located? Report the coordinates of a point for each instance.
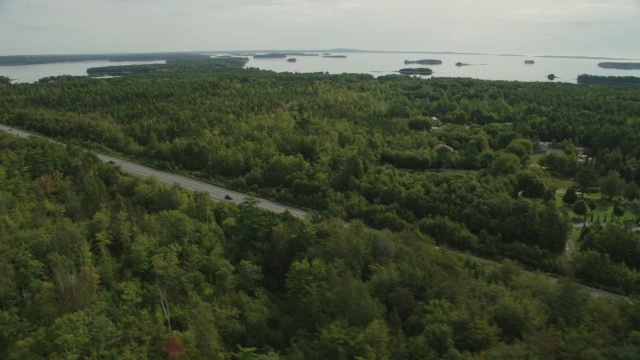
(592, 205)
(570, 196)
(580, 208)
(618, 211)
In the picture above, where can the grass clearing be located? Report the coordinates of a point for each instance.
(603, 210)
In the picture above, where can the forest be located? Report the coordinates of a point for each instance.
(431, 164)
(95, 264)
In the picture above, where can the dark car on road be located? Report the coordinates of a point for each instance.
(228, 197)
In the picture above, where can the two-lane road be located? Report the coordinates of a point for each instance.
(215, 192)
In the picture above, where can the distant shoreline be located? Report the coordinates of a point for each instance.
(17, 60)
(431, 52)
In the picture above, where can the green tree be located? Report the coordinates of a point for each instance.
(530, 185)
(511, 319)
(579, 207)
(420, 123)
(505, 164)
(634, 208)
(570, 196)
(207, 343)
(68, 335)
(523, 148)
(612, 185)
(618, 210)
(586, 179)
(631, 191)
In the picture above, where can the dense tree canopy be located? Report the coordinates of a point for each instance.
(201, 280)
(352, 146)
(94, 264)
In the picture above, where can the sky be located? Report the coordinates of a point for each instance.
(608, 28)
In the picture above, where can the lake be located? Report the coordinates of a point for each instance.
(487, 67)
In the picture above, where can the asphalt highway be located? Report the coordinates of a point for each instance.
(215, 192)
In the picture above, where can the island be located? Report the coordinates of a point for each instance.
(461, 64)
(424, 62)
(292, 60)
(335, 56)
(301, 54)
(620, 65)
(529, 62)
(551, 76)
(416, 71)
(270, 56)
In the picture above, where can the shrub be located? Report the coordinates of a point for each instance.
(580, 208)
(570, 196)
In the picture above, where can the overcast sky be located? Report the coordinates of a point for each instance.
(542, 27)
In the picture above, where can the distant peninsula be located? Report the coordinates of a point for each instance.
(335, 56)
(620, 65)
(424, 62)
(51, 59)
(270, 56)
(171, 66)
(416, 71)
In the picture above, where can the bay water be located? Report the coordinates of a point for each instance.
(487, 67)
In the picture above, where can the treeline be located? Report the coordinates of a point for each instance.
(416, 71)
(171, 66)
(94, 264)
(608, 80)
(424, 62)
(357, 147)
